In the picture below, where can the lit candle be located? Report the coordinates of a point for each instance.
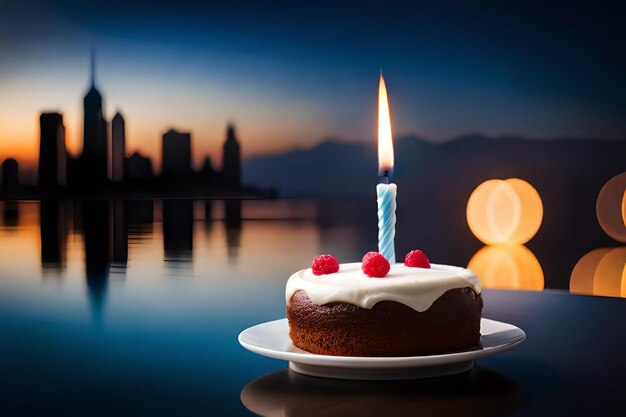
(385, 192)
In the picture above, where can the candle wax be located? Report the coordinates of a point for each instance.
(386, 194)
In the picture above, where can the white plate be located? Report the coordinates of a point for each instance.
(272, 339)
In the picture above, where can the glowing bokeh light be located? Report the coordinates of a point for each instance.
(600, 272)
(504, 211)
(624, 208)
(509, 267)
(611, 207)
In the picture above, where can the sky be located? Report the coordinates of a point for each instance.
(291, 74)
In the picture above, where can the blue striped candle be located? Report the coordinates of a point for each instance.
(387, 220)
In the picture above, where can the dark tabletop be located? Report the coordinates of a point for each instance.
(570, 364)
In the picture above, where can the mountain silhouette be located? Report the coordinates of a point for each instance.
(332, 167)
(338, 168)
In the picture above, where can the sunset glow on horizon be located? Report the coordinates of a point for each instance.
(287, 81)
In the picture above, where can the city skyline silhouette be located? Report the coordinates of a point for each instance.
(103, 163)
(103, 156)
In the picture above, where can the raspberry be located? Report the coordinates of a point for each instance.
(375, 265)
(416, 259)
(325, 264)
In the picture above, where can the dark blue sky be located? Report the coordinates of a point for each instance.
(292, 73)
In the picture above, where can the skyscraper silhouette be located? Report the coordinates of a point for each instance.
(118, 147)
(231, 162)
(176, 154)
(94, 157)
(138, 168)
(10, 178)
(52, 153)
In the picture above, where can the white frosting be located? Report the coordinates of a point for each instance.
(417, 288)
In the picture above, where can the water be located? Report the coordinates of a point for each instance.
(134, 307)
(77, 316)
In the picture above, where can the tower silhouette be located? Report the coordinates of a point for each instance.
(10, 178)
(231, 162)
(52, 153)
(138, 168)
(176, 154)
(94, 157)
(118, 147)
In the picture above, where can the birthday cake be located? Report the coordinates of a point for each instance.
(373, 308)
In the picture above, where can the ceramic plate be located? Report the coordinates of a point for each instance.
(272, 339)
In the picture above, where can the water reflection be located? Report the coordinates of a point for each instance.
(140, 212)
(53, 234)
(10, 214)
(508, 267)
(96, 232)
(232, 220)
(208, 215)
(477, 392)
(145, 243)
(177, 230)
(601, 272)
(119, 252)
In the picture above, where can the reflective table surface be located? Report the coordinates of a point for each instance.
(133, 308)
(571, 364)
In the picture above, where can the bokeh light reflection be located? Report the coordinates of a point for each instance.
(508, 267)
(600, 272)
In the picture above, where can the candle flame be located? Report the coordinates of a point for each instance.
(385, 143)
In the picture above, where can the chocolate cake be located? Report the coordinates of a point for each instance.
(411, 311)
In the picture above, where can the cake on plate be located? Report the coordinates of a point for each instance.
(371, 308)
